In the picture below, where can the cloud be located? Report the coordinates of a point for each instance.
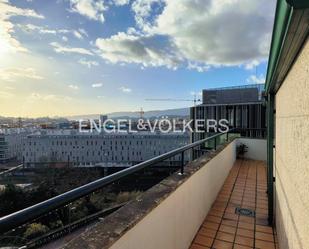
(9, 88)
(256, 80)
(143, 10)
(193, 93)
(225, 32)
(8, 10)
(83, 32)
(96, 85)
(80, 33)
(198, 67)
(47, 97)
(92, 9)
(125, 89)
(6, 95)
(63, 49)
(251, 65)
(8, 42)
(121, 2)
(31, 27)
(77, 34)
(145, 50)
(197, 34)
(88, 63)
(12, 74)
(74, 87)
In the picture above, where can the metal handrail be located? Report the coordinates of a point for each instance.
(248, 129)
(11, 169)
(260, 86)
(53, 235)
(23, 216)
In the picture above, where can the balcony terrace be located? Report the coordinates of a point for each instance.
(244, 187)
(216, 200)
(169, 214)
(196, 209)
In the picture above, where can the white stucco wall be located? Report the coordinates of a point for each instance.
(292, 156)
(174, 223)
(257, 148)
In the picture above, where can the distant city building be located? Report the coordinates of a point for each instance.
(3, 148)
(242, 106)
(11, 143)
(64, 125)
(103, 118)
(104, 148)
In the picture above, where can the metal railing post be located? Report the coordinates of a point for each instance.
(23, 165)
(215, 143)
(270, 155)
(182, 162)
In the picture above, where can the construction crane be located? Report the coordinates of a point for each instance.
(195, 100)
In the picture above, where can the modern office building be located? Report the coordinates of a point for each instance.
(242, 106)
(3, 148)
(11, 143)
(105, 148)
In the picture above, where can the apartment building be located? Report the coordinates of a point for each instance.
(105, 148)
(3, 147)
(11, 143)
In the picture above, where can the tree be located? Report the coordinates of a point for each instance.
(12, 198)
(35, 230)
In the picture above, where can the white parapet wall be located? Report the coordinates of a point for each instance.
(174, 223)
(257, 148)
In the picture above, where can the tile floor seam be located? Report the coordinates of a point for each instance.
(256, 186)
(239, 216)
(235, 181)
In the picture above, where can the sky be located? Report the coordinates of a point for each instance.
(71, 57)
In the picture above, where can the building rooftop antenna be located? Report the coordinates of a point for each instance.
(141, 113)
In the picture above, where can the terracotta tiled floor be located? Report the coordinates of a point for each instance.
(244, 187)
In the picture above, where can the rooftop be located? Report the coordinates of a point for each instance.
(235, 94)
(115, 133)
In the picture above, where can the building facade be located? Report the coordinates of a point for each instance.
(11, 143)
(3, 148)
(287, 89)
(98, 148)
(243, 107)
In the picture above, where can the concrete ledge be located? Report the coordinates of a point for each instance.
(168, 215)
